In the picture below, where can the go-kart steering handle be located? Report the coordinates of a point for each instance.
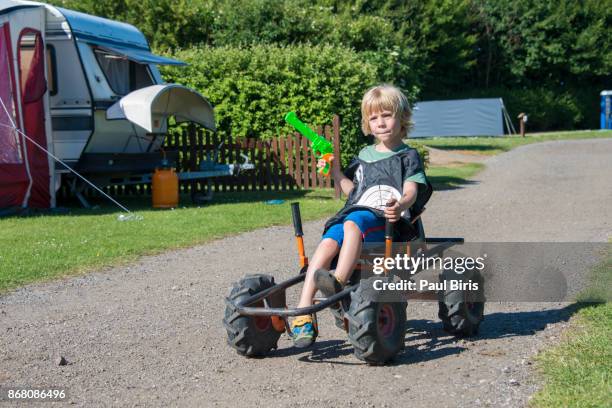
(297, 219)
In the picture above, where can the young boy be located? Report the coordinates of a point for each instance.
(383, 182)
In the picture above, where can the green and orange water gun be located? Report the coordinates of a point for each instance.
(321, 147)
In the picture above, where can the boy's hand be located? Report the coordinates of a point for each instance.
(346, 185)
(393, 210)
(333, 168)
(322, 163)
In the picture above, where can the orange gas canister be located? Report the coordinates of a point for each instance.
(165, 187)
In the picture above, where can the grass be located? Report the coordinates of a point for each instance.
(578, 372)
(446, 178)
(496, 145)
(48, 246)
(600, 285)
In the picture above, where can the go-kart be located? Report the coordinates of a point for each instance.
(256, 312)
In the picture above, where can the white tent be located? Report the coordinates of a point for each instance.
(461, 117)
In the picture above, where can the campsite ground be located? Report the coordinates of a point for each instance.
(149, 334)
(73, 240)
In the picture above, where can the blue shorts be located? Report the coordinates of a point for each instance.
(371, 226)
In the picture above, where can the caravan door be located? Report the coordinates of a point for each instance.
(14, 178)
(26, 175)
(31, 58)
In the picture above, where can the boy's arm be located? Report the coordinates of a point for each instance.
(346, 185)
(393, 212)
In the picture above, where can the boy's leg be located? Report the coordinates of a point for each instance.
(322, 257)
(331, 283)
(359, 226)
(349, 253)
(302, 327)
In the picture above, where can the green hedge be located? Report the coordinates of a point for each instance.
(253, 87)
(546, 109)
(555, 58)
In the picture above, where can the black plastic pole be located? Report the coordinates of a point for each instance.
(297, 219)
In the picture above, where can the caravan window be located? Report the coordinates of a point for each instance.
(123, 75)
(51, 70)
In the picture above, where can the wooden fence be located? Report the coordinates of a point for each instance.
(282, 163)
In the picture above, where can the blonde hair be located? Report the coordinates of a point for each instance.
(385, 97)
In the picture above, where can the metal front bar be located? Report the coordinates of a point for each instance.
(276, 288)
(244, 308)
(276, 311)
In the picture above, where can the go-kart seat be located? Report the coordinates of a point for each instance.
(410, 232)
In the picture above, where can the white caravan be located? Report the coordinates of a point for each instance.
(88, 90)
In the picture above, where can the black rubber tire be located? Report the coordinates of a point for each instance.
(462, 311)
(369, 313)
(251, 336)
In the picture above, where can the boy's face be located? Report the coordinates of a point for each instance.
(385, 126)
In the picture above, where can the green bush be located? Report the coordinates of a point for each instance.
(546, 109)
(165, 23)
(555, 53)
(252, 88)
(423, 152)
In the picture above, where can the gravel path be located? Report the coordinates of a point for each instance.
(151, 335)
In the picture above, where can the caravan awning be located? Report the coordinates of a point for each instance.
(113, 36)
(138, 55)
(86, 26)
